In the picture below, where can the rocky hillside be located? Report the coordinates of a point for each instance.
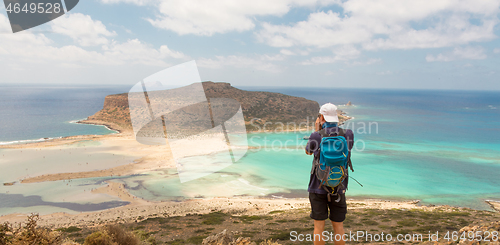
(265, 106)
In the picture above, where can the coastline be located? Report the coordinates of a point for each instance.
(141, 164)
(139, 207)
(108, 126)
(121, 130)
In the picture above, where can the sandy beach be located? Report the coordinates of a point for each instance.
(146, 157)
(139, 209)
(155, 157)
(150, 158)
(494, 205)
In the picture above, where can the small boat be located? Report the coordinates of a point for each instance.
(305, 137)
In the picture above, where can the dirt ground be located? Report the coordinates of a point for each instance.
(284, 226)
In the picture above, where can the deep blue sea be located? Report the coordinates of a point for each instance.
(34, 112)
(440, 147)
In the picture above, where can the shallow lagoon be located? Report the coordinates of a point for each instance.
(434, 146)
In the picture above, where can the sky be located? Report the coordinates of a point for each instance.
(388, 44)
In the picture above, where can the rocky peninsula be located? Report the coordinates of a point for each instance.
(259, 109)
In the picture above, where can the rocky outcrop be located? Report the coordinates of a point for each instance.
(114, 114)
(224, 238)
(267, 107)
(481, 231)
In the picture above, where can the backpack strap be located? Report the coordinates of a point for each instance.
(334, 193)
(349, 163)
(340, 132)
(328, 194)
(315, 163)
(323, 133)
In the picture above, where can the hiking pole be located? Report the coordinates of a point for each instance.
(356, 181)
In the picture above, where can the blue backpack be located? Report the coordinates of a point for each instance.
(333, 161)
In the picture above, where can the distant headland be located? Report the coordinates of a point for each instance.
(259, 108)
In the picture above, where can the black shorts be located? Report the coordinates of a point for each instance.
(320, 206)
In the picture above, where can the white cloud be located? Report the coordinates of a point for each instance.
(369, 24)
(295, 52)
(389, 24)
(206, 18)
(459, 53)
(367, 62)
(277, 57)
(346, 52)
(286, 52)
(136, 2)
(384, 73)
(82, 29)
(304, 52)
(393, 11)
(260, 62)
(496, 51)
(454, 30)
(171, 53)
(27, 47)
(134, 51)
(343, 53)
(320, 30)
(320, 60)
(19, 39)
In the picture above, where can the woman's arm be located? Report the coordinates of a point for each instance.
(319, 122)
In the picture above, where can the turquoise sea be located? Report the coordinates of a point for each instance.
(440, 147)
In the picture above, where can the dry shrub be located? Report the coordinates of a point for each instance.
(269, 242)
(99, 238)
(112, 235)
(121, 236)
(225, 238)
(68, 241)
(28, 233)
(5, 233)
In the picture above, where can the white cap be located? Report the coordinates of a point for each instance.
(329, 112)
